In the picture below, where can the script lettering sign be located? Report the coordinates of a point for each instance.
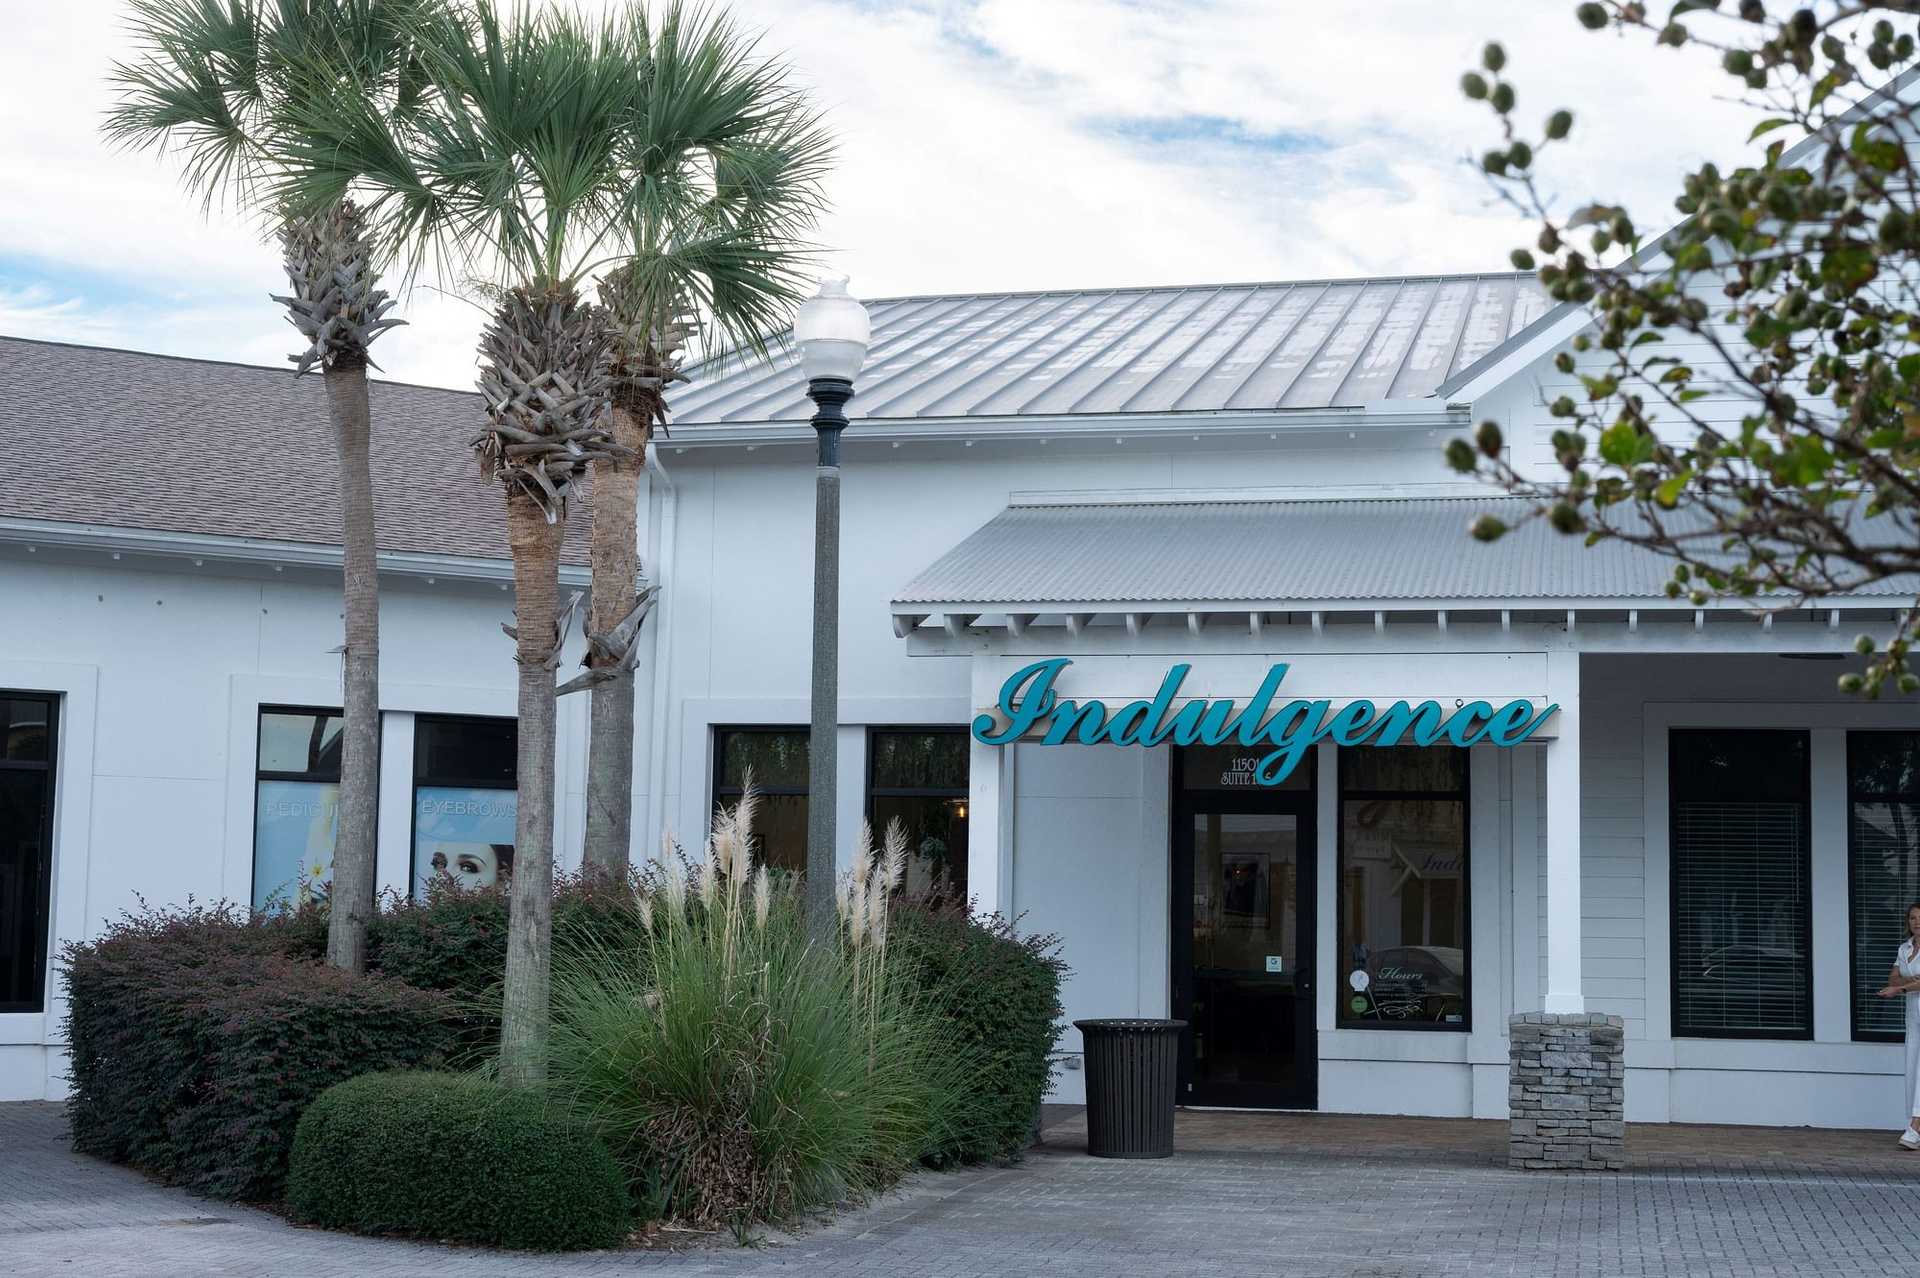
(1028, 704)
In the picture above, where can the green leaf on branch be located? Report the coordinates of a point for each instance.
(1619, 443)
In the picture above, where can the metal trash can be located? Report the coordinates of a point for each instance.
(1131, 1068)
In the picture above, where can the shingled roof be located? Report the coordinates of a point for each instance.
(159, 443)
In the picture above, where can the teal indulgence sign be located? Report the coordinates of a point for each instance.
(1028, 702)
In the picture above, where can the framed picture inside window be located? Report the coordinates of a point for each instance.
(1246, 897)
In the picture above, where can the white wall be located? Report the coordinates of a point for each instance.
(163, 668)
(1630, 705)
(1090, 865)
(738, 575)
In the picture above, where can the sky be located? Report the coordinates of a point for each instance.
(984, 145)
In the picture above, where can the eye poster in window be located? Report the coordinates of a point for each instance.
(293, 829)
(463, 835)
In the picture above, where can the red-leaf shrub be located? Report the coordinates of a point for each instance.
(196, 1043)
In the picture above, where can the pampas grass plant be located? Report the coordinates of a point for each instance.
(735, 1070)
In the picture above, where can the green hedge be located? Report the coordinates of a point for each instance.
(451, 1156)
(196, 1044)
(1001, 993)
(454, 940)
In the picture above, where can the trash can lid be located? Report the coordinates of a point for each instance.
(1128, 1023)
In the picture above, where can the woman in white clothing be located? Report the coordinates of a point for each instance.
(1904, 982)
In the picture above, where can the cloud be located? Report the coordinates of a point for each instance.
(985, 144)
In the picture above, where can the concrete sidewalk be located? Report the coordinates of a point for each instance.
(1245, 1195)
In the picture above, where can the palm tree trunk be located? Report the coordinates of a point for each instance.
(616, 565)
(354, 842)
(535, 544)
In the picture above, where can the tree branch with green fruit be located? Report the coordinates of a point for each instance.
(1746, 400)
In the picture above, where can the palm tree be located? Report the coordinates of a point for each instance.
(723, 162)
(219, 84)
(512, 170)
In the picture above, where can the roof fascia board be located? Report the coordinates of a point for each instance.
(1403, 415)
(258, 550)
(1464, 489)
(1625, 603)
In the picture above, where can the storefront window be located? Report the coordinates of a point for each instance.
(26, 847)
(1742, 925)
(296, 805)
(464, 801)
(918, 777)
(1883, 849)
(1403, 887)
(776, 761)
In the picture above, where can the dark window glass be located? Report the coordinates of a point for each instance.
(26, 731)
(1236, 767)
(918, 777)
(776, 761)
(1742, 922)
(464, 801)
(1883, 846)
(300, 742)
(1403, 882)
(1403, 769)
(296, 805)
(475, 751)
(26, 848)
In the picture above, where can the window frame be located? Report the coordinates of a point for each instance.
(963, 793)
(414, 781)
(1677, 1028)
(1342, 1019)
(1850, 796)
(310, 776)
(50, 766)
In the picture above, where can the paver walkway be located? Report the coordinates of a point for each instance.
(1246, 1195)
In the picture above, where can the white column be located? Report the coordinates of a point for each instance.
(394, 859)
(851, 809)
(989, 804)
(1526, 878)
(1329, 964)
(1563, 837)
(1832, 974)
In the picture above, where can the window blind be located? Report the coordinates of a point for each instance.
(1741, 908)
(1883, 879)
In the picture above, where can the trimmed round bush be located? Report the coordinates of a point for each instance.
(456, 1158)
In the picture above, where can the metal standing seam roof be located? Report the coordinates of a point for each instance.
(1276, 552)
(1305, 344)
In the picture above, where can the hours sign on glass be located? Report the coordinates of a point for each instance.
(1028, 705)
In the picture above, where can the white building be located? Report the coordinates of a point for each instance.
(1704, 838)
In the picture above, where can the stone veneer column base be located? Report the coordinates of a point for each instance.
(1566, 1092)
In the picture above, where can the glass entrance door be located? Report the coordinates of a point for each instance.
(1243, 948)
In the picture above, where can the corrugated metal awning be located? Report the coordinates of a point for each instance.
(1172, 555)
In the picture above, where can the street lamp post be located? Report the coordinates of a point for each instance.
(832, 331)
